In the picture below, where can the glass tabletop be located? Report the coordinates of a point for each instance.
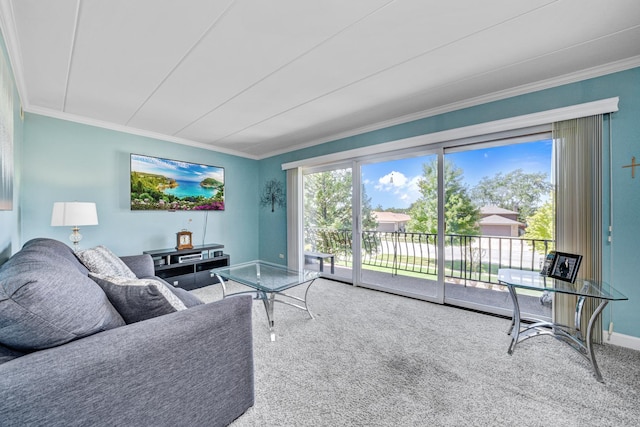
(266, 276)
(535, 281)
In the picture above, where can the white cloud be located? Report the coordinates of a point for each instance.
(404, 189)
(392, 180)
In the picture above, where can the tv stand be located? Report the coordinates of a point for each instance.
(189, 268)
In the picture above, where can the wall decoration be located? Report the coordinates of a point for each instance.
(273, 195)
(633, 166)
(6, 136)
(173, 185)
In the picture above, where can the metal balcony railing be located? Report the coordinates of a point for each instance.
(467, 258)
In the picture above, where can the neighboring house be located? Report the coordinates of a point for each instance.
(495, 221)
(390, 221)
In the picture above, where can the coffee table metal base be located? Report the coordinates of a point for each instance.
(270, 298)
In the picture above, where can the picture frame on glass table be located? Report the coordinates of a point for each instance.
(565, 266)
(548, 263)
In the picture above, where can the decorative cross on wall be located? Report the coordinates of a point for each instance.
(633, 166)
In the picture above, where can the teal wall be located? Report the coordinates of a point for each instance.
(273, 225)
(67, 161)
(620, 256)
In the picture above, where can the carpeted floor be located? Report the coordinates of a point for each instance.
(374, 359)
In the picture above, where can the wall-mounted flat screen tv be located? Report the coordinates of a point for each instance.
(164, 184)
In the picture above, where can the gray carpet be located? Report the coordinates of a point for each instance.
(375, 359)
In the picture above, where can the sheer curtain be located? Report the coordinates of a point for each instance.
(578, 171)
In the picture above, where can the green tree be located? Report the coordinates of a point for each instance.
(460, 214)
(328, 201)
(517, 191)
(541, 226)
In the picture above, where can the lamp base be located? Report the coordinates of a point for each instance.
(75, 237)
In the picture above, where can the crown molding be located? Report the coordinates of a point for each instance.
(133, 131)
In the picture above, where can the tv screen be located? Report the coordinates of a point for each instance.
(164, 184)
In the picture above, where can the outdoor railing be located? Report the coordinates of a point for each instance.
(467, 258)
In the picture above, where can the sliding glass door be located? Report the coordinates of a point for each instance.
(436, 225)
(328, 221)
(399, 226)
(499, 214)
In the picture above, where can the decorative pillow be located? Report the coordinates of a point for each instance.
(139, 299)
(100, 260)
(189, 299)
(46, 301)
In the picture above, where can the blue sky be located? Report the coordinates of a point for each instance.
(394, 183)
(180, 171)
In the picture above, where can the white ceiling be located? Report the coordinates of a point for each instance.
(257, 78)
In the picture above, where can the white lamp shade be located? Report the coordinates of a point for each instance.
(74, 214)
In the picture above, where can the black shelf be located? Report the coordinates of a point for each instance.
(189, 268)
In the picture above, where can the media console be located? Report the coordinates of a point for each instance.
(189, 268)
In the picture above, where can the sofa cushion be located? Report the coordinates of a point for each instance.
(45, 300)
(139, 299)
(101, 260)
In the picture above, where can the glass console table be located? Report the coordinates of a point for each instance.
(576, 338)
(269, 281)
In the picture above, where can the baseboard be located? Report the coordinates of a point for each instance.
(621, 340)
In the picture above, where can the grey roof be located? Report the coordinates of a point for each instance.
(498, 220)
(495, 210)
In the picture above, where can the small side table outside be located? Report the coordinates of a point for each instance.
(269, 281)
(576, 338)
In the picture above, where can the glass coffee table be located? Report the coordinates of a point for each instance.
(269, 283)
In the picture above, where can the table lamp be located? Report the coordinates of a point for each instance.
(74, 214)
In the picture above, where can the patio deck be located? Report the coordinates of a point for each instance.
(493, 301)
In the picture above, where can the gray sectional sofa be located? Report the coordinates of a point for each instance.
(67, 357)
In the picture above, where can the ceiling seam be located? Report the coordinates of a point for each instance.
(283, 66)
(386, 69)
(181, 60)
(71, 54)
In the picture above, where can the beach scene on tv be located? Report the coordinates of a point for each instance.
(164, 184)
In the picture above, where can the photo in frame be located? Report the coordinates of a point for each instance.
(548, 263)
(565, 266)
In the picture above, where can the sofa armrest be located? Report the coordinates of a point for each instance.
(192, 367)
(141, 265)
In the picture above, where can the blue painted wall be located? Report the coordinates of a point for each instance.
(273, 225)
(66, 161)
(620, 256)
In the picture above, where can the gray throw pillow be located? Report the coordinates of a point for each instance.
(139, 299)
(46, 301)
(189, 299)
(100, 260)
